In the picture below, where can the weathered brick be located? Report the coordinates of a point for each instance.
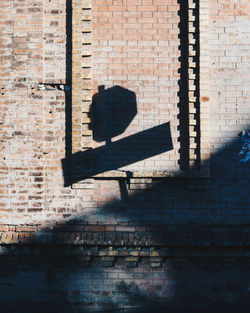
(136, 45)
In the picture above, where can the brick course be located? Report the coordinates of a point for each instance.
(34, 202)
(136, 47)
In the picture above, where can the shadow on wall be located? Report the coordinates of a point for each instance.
(56, 279)
(45, 278)
(112, 111)
(223, 199)
(45, 281)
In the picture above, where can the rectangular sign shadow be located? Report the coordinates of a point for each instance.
(117, 154)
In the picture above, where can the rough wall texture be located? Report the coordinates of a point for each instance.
(68, 285)
(136, 46)
(35, 203)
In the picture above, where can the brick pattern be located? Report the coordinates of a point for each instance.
(81, 81)
(194, 47)
(97, 287)
(144, 238)
(135, 46)
(204, 88)
(33, 138)
(54, 42)
(229, 70)
(32, 42)
(199, 145)
(118, 242)
(79, 65)
(111, 43)
(138, 38)
(22, 130)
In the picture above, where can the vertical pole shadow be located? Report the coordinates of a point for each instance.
(183, 87)
(68, 93)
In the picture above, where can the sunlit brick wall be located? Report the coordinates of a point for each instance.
(136, 46)
(33, 121)
(22, 131)
(229, 69)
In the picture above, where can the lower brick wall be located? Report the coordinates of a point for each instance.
(57, 281)
(137, 268)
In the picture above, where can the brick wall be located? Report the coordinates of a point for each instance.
(72, 285)
(34, 201)
(136, 46)
(229, 37)
(33, 136)
(22, 110)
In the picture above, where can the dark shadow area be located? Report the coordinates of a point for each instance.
(217, 200)
(112, 110)
(183, 87)
(68, 93)
(120, 153)
(52, 274)
(53, 283)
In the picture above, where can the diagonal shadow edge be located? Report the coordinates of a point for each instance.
(70, 166)
(240, 171)
(115, 155)
(52, 247)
